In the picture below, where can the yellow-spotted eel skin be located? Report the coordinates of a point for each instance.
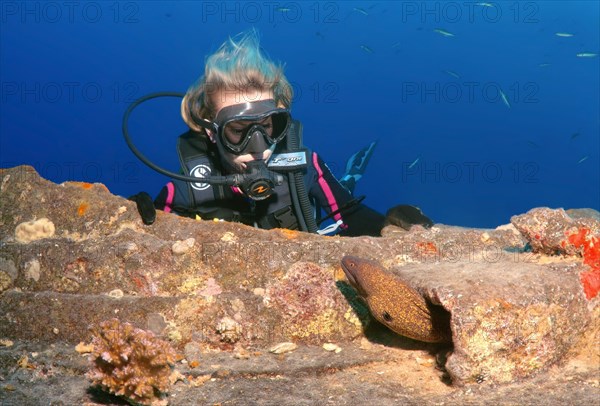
(396, 304)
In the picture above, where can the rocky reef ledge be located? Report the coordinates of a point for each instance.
(523, 300)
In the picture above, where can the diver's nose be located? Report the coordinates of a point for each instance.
(257, 143)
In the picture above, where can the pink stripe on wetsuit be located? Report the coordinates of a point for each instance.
(326, 190)
(170, 197)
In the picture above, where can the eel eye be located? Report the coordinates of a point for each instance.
(387, 317)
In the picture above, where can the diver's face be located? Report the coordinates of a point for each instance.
(237, 129)
(224, 99)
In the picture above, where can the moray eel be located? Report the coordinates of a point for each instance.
(395, 304)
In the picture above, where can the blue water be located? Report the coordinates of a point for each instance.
(362, 71)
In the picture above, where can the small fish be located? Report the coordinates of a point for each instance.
(396, 304)
(563, 34)
(575, 135)
(586, 55)
(366, 49)
(396, 44)
(283, 9)
(582, 159)
(452, 73)
(504, 98)
(543, 65)
(414, 162)
(484, 4)
(443, 32)
(532, 144)
(360, 10)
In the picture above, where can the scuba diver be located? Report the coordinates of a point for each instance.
(243, 159)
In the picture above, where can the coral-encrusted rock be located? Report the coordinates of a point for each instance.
(547, 230)
(513, 312)
(310, 304)
(553, 232)
(131, 362)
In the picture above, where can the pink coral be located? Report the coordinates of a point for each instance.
(305, 292)
(130, 362)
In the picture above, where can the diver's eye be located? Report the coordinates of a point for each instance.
(387, 317)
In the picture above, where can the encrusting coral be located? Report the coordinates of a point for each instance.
(131, 362)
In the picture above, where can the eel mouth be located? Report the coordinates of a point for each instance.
(349, 268)
(349, 275)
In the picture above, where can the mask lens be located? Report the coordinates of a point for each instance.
(280, 123)
(236, 133)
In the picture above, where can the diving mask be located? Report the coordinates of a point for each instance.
(251, 127)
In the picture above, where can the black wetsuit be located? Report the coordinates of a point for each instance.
(228, 203)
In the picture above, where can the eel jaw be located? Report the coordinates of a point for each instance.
(353, 280)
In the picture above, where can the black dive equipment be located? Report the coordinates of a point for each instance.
(145, 207)
(258, 181)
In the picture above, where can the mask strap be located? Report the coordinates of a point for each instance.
(207, 125)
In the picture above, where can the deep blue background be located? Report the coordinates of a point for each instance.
(361, 71)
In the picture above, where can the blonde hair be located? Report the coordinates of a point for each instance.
(239, 66)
